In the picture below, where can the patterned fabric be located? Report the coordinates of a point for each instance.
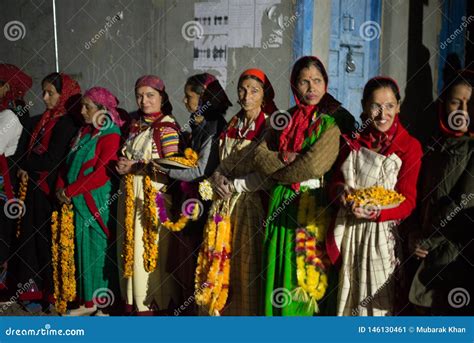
(247, 215)
(145, 290)
(366, 277)
(169, 142)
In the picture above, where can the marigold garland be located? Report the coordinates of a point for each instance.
(190, 158)
(63, 257)
(183, 218)
(23, 188)
(213, 269)
(150, 226)
(375, 195)
(311, 259)
(128, 245)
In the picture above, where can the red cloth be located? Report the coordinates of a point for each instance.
(4, 171)
(18, 81)
(409, 150)
(49, 118)
(269, 106)
(105, 156)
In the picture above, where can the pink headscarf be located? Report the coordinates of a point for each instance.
(102, 96)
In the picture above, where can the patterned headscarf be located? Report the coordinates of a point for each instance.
(18, 81)
(102, 96)
(269, 106)
(156, 83)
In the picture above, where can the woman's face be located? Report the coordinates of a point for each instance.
(382, 108)
(310, 85)
(251, 95)
(50, 95)
(89, 110)
(458, 108)
(148, 99)
(191, 99)
(4, 88)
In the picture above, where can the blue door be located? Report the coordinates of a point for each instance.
(353, 50)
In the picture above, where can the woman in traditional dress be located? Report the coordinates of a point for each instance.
(299, 150)
(142, 245)
(363, 241)
(87, 184)
(14, 83)
(237, 183)
(444, 279)
(48, 146)
(207, 102)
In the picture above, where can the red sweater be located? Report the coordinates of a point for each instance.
(106, 153)
(409, 150)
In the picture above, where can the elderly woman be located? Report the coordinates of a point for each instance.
(447, 206)
(299, 150)
(87, 184)
(363, 241)
(146, 286)
(48, 146)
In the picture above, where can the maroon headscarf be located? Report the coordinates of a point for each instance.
(269, 106)
(156, 83)
(18, 81)
(102, 96)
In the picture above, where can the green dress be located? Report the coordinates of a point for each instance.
(94, 271)
(279, 243)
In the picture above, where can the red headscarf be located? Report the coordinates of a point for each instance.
(70, 88)
(443, 117)
(102, 96)
(156, 83)
(269, 106)
(18, 81)
(292, 137)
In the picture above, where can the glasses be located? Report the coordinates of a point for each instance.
(376, 108)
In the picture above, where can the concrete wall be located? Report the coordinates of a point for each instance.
(97, 48)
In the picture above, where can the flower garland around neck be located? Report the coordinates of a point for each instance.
(62, 247)
(183, 217)
(23, 188)
(128, 246)
(213, 266)
(311, 258)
